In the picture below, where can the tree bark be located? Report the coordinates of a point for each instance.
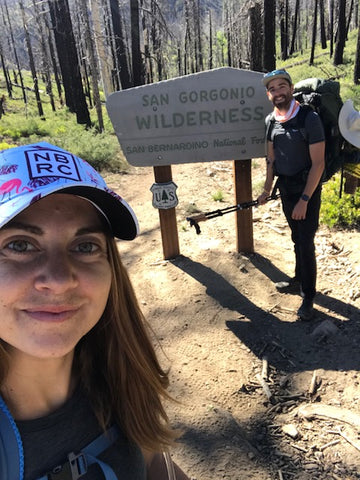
(137, 62)
(14, 51)
(313, 41)
(269, 60)
(295, 26)
(341, 36)
(99, 35)
(255, 38)
(31, 61)
(68, 60)
(120, 44)
(357, 56)
(322, 24)
(92, 61)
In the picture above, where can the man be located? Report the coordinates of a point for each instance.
(295, 153)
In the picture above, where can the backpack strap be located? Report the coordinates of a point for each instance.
(11, 449)
(77, 464)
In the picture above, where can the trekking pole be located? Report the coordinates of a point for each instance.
(202, 217)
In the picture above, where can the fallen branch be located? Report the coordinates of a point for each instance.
(265, 387)
(314, 383)
(349, 440)
(327, 411)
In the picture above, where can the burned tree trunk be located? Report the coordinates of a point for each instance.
(269, 60)
(68, 60)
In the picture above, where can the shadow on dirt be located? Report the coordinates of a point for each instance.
(289, 346)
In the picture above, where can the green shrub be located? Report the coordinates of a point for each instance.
(218, 196)
(339, 212)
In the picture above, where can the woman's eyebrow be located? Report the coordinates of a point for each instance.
(23, 226)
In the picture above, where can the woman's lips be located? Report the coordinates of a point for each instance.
(51, 314)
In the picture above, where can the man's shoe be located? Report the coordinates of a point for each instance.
(306, 310)
(290, 286)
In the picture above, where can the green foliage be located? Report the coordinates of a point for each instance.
(19, 127)
(218, 196)
(341, 212)
(299, 68)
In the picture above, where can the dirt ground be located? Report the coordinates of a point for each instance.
(262, 395)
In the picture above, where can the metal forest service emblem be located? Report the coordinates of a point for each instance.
(164, 195)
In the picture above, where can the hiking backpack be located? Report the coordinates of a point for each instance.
(12, 455)
(323, 96)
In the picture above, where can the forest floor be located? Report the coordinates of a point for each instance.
(261, 395)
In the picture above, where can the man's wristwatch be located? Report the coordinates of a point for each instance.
(305, 197)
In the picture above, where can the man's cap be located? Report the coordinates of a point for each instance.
(349, 123)
(31, 172)
(276, 74)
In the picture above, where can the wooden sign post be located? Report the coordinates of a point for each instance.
(168, 226)
(243, 192)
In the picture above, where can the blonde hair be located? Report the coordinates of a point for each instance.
(118, 366)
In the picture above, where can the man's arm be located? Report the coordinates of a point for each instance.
(269, 173)
(317, 155)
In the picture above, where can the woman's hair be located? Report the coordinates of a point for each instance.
(118, 366)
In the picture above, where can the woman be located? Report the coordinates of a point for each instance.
(76, 359)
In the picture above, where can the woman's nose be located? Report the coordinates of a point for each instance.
(57, 273)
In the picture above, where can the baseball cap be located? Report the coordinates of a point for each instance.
(349, 123)
(276, 74)
(31, 172)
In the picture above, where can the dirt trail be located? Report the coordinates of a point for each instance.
(241, 365)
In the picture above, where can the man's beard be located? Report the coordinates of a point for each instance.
(283, 104)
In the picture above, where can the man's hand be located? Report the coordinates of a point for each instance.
(262, 198)
(299, 212)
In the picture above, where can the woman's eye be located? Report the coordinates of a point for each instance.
(87, 247)
(20, 246)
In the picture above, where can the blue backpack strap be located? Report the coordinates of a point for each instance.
(77, 465)
(99, 445)
(11, 449)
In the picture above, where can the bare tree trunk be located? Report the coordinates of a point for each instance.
(228, 36)
(295, 27)
(341, 37)
(137, 62)
(45, 54)
(357, 56)
(255, 38)
(331, 26)
(120, 46)
(198, 35)
(92, 61)
(68, 59)
(101, 50)
(350, 12)
(210, 42)
(313, 41)
(283, 32)
(31, 61)
(14, 50)
(269, 60)
(322, 24)
(6, 73)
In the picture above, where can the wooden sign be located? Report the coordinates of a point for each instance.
(214, 115)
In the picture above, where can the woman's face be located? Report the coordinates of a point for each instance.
(54, 276)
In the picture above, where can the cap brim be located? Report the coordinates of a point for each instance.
(120, 215)
(122, 219)
(352, 137)
(266, 81)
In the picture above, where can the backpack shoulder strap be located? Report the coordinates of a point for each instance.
(269, 123)
(300, 119)
(303, 113)
(11, 449)
(77, 464)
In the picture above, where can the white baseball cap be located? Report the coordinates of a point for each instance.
(349, 123)
(31, 172)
